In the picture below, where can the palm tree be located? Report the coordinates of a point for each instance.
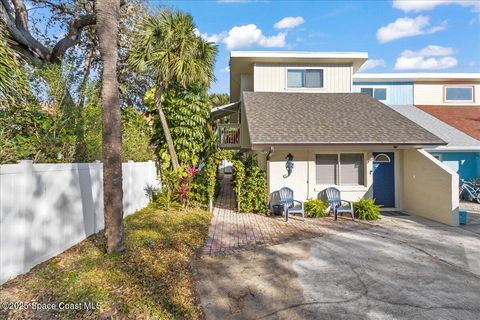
(13, 78)
(219, 99)
(167, 48)
(107, 13)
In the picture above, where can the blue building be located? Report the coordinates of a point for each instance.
(390, 93)
(462, 154)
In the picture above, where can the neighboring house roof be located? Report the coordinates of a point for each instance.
(464, 118)
(278, 118)
(415, 76)
(225, 110)
(457, 140)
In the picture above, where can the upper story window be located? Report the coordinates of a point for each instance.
(304, 78)
(377, 93)
(458, 94)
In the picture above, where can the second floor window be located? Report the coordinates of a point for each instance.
(459, 94)
(377, 93)
(305, 78)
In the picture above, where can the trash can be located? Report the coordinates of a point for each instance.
(462, 217)
(277, 209)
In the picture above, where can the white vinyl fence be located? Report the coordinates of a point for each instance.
(47, 208)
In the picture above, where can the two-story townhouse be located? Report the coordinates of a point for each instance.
(447, 104)
(299, 107)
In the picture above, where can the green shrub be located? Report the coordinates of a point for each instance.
(315, 208)
(366, 209)
(249, 185)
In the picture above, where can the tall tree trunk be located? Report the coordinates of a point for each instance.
(108, 12)
(86, 73)
(166, 130)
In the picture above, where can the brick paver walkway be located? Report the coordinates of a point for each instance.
(231, 232)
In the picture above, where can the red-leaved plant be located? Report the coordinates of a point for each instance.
(185, 182)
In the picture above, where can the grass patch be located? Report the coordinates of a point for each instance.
(151, 279)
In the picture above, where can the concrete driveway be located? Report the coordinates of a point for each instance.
(401, 268)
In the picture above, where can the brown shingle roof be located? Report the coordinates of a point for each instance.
(464, 118)
(328, 118)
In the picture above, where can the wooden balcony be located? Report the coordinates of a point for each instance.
(228, 135)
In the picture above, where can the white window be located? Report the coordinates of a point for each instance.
(459, 94)
(377, 93)
(345, 169)
(304, 78)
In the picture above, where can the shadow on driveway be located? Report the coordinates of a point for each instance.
(404, 268)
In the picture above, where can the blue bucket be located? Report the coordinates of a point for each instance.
(462, 217)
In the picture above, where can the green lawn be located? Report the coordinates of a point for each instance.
(151, 279)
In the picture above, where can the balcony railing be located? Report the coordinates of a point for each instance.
(228, 135)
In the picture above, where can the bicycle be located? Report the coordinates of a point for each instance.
(469, 191)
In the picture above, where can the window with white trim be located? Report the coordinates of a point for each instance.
(346, 169)
(377, 93)
(304, 78)
(459, 94)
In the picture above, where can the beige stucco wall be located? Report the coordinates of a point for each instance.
(246, 82)
(302, 179)
(244, 135)
(430, 188)
(431, 93)
(271, 77)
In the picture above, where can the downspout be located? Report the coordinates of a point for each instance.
(308, 174)
(270, 151)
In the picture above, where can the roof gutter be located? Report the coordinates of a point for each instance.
(454, 149)
(263, 146)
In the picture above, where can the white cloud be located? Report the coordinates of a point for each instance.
(425, 5)
(475, 19)
(429, 51)
(408, 27)
(214, 37)
(373, 63)
(250, 35)
(289, 22)
(226, 69)
(429, 58)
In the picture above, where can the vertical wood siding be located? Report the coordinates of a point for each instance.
(398, 93)
(432, 94)
(271, 77)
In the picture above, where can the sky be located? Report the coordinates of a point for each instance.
(399, 36)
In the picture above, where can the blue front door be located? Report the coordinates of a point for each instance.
(384, 179)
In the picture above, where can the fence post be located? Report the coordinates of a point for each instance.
(151, 173)
(98, 214)
(130, 187)
(26, 167)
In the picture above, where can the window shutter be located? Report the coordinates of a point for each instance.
(326, 168)
(351, 169)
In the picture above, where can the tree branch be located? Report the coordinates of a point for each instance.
(72, 37)
(16, 21)
(21, 15)
(8, 10)
(59, 7)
